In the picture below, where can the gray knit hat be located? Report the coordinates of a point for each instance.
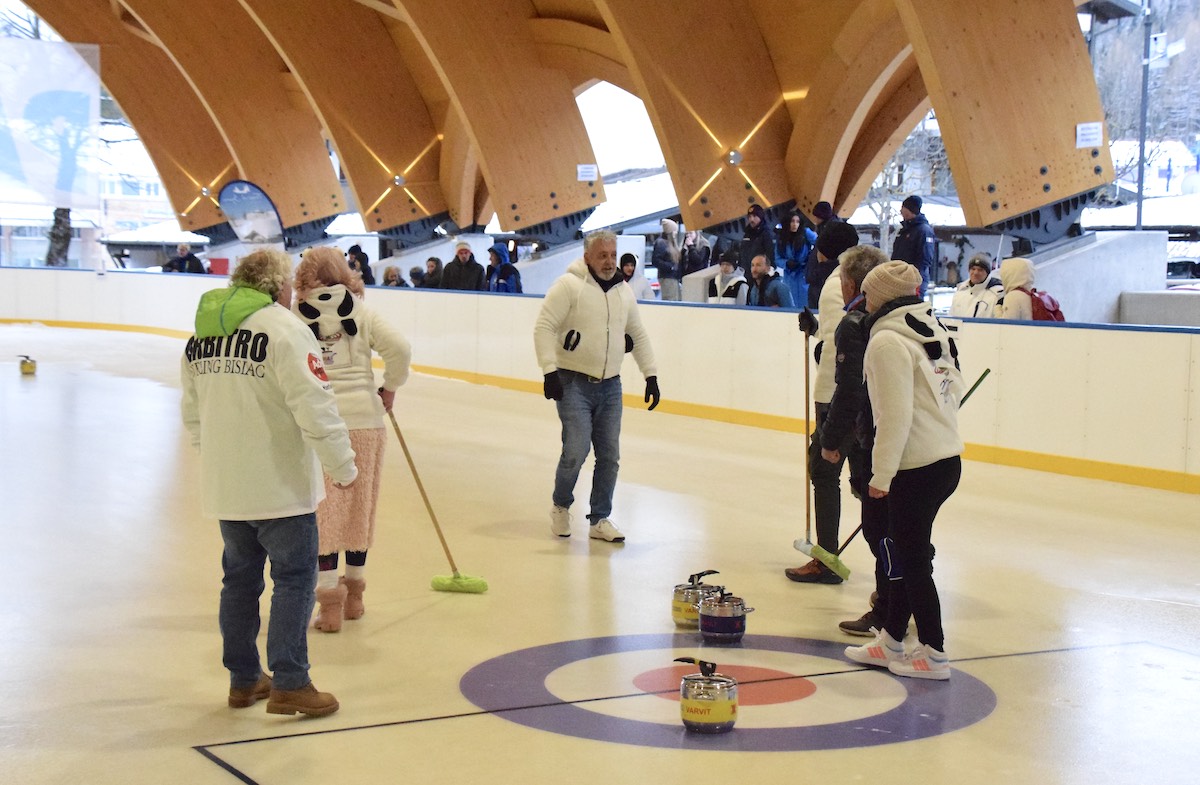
(892, 280)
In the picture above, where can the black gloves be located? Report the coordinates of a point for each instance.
(817, 352)
(552, 387)
(652, 394)
(808, 322)
(628, 343)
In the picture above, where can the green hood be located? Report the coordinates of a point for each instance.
(222, 310)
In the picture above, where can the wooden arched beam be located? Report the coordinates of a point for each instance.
(583, 52)
(709, 88)
(1011, 83)
(375, 117)
(519, 116)
(185, 146)
(264, 118)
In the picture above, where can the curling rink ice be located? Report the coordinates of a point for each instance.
(1071, 608)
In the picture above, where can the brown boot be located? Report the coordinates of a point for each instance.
(354, 601)
(329, 614)
(305, 700)
(245, 697)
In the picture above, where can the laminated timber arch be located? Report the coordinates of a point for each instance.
(267, 122)
(185, 146)
(813, 96)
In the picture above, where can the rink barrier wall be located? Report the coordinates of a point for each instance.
(1111, 402)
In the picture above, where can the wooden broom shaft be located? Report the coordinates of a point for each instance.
(424, 497)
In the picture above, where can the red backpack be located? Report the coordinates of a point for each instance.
(1045, 307)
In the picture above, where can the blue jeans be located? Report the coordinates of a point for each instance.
(291, 544)
(591, 416)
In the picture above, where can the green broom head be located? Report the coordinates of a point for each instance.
(466, 584)
(830, 560)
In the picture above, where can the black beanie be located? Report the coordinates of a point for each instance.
(913, 204)
(836, 238)
(822, 211)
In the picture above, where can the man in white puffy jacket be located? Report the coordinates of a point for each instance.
(589, 319)
(260, 408)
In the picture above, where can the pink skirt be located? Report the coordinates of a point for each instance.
(346, 518)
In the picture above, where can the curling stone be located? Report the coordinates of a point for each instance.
(28, 365)
(723, 617)
(686, 599)
(708, 700)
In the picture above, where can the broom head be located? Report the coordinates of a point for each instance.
(466, 584)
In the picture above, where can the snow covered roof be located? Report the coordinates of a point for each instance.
(346, 224)
(1163, 211)
(163, 233)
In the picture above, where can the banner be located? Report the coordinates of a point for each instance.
(251, 213)
(49, 123)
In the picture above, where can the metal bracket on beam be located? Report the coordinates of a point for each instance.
(306, 233)
(218, 234)
(1048, 223)
(416, 232)
(559, 230)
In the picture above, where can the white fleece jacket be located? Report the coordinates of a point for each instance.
(582, 328)
(260, 409)
(830, 310)
(347, 357)
(914, 399)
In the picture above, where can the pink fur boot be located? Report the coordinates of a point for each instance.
(354, 597)
(329, 614)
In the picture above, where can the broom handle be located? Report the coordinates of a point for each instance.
(807, 445)
(424, 497)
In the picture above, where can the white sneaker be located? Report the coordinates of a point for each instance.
(605, 530)
(923, 662)
(880, 652)
(560, 521)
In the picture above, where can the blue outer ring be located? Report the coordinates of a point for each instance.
(518, 679)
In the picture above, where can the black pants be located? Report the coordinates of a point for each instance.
(826, 486)
(874, 521)
(914, 500)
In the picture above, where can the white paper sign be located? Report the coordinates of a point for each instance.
(1089, 135)
(587, 173)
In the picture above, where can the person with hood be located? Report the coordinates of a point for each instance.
(665, 257)
(757, 239)
(977, 296)
(586, 320)
(835, 240)
(359, 263)
(792, 253)
(463, 273)
(915, 242)
(433, 274)
(258, 405)
(636, 279)
(767, 288)
(1016, 274)
(819, 269)
(912, 373)
(329, 301)
(502, 275)
(729, 286)
(696, 253)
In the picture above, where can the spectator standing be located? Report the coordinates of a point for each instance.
(757, 239)
(1016, 274)
(791, 255)
(915, 242)
(767, 288)
(392, 277)
(417, 276)
(836, 239)
(977, 296)
(729, 286)
(359, 264)
(329, 301)
(911, 367)
(264, 431)
(587, 317)
(819, 269)
(696, 253)
(433, 273)
(462, 272)
(666, 257)
(637, 280)
(184, 262)
(502, 275)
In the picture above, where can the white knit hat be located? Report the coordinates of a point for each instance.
(462, 244)
(892, 280)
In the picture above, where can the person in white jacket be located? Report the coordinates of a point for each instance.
(258, 405)
(329, 300)
(912, 373)
(636, 279)
(977, 296)
(1017, 276)
(587, 322)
